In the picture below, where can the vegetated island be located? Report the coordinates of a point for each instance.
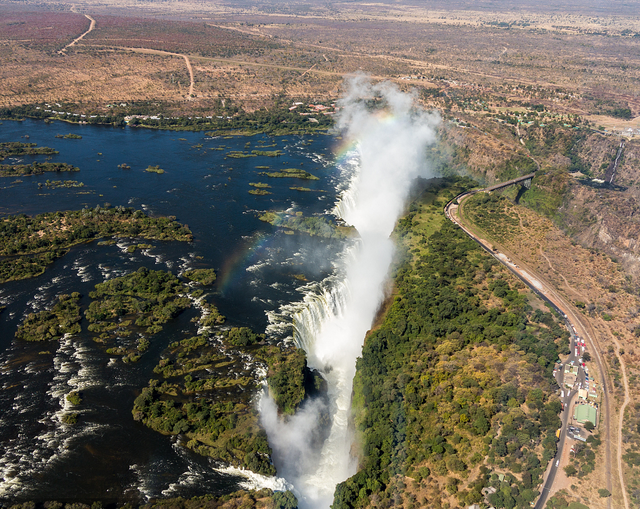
(206, 386)
(206, 389)
(260, 188)
(238, 154)
(35, 168)
(322, 226)
(140, 302)
(69, 136)
(29, 244)
(63, 318)
(55, 184)
(204, 277)
(459, 373)
(258, 499)
(154, 169)
(295, 173)
(16, 149)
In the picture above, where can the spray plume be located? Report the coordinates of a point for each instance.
(388, 153)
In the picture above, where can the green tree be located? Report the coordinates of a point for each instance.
(284, 500)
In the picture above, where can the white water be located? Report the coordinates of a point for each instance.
(331, 326)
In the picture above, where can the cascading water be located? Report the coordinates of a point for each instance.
(389, 153)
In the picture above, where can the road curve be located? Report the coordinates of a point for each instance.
(573, 319)
(92, 25)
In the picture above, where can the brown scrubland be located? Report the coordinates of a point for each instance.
(552, 86)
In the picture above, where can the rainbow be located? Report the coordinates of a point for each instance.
(246, 255)
(251, 251)
(347, 144)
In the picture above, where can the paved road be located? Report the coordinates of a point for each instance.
(573, 324)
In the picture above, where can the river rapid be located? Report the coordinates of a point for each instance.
(261, 270)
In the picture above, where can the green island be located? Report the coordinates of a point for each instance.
(35, 168)
(320, 226)
(258, 499)
(55, 184)
(74, 397)
(295, 173)
(69, 136)
(63, 318)
(70, 418)
(205, 277)
(267, 153)
(260, 188)
(144, 300)
(154, 169)
(16, 148)
(29, 244)
(134, 247)
(206, 394)
(237, 154)
(454, 391)
(124, 166)
(299, 188)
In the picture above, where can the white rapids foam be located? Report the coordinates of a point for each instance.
(332, 320)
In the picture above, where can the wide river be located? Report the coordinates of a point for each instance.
(108, 456)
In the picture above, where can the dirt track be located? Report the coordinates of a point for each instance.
(92, 25)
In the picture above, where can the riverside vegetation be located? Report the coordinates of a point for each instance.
(260, 499)
(225, 118)
(207, 390)
(17, 149)
(146, 298)
(207, 386)
(29, 244)
(455, 385)
(320, 226)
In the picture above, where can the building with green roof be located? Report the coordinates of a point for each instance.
(584, 413)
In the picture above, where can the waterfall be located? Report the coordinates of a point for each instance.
(331, 323)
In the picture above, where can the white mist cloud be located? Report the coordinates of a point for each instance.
(391, 143)
(390, 148)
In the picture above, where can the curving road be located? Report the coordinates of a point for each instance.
(576, 324)
(92, 25)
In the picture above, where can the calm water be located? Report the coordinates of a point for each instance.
(108, 456)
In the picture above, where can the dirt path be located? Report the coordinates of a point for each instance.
(186, 59)
(575, 292)
(308, 70)
(623, 407)
(230, 61)
(92, 25)
(149, 51)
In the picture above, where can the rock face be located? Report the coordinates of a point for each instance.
(607, 220)
(588, 184)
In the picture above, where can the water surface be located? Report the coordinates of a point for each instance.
(108, 456)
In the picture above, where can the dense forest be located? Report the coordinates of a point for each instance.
(454, 400)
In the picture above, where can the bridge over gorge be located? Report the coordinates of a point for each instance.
(453, 211)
